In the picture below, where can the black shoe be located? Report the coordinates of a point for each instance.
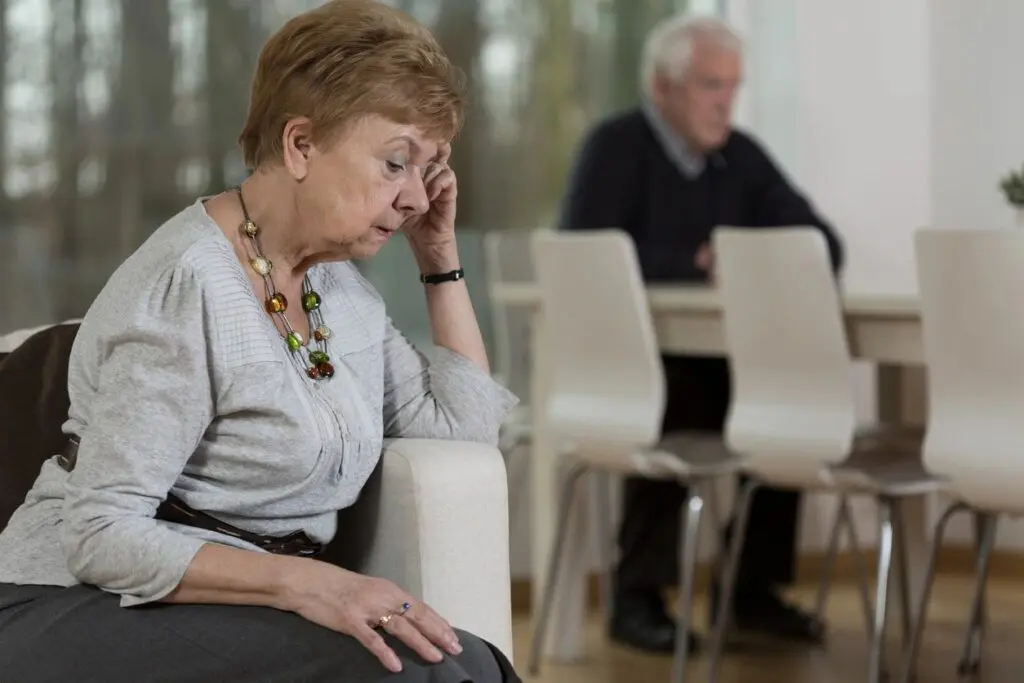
(639, 621)
(763, 611)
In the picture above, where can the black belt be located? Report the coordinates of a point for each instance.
(173, 509)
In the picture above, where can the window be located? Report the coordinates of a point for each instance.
(117, 113)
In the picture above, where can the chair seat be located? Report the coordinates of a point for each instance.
(681, 455)
(886, 460)
(688, 455)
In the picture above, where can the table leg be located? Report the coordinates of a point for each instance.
(565, 629)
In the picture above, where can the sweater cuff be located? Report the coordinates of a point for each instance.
(176, 555)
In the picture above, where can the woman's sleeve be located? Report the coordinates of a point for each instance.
(151, 406)
(449, 398)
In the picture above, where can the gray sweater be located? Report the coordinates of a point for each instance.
(180, 382)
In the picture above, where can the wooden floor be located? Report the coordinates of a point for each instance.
(842, 660)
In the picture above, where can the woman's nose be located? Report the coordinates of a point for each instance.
(413, 198)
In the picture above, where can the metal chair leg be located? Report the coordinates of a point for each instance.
(913, 648)
(860, 566)
(970, 660)
(828, 565)
(723, 616)
(906, 611)
(876, 658)
(844, 519)
(715, 514)
(605, 538)
(687, 565)
(979, 535)
(554, 564)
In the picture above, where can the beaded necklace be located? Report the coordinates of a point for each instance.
(317, 362)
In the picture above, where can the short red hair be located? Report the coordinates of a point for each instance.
(344, 60)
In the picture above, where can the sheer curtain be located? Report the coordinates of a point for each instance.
(117, 113)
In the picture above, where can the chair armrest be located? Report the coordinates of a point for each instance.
(435, 521)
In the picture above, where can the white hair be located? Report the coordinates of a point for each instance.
(670, 44)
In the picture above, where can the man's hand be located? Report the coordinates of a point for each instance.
(704, 259)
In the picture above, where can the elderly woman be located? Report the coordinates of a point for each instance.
(231, 386)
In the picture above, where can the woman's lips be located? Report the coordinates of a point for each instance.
(383, 234)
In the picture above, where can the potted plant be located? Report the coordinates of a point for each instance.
(1013, 188)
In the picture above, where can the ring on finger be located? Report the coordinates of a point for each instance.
(385, 620)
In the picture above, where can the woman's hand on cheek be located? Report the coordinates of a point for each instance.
(432, 234)
(436, 227)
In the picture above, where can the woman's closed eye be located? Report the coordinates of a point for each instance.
(397, 168)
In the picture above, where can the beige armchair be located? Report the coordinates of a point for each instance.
(433, 518)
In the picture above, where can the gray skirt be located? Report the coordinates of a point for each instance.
(50, 634)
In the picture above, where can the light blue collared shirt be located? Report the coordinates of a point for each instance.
(691, 164)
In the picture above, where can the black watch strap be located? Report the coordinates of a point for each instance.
(438, 278)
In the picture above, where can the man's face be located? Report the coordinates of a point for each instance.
(699, 105)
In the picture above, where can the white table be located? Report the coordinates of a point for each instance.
(883, 329)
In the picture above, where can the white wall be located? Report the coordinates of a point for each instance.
(839, 91)
(977, 101)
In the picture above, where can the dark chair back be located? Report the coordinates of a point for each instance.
(33, 408)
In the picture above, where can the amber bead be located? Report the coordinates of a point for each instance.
(322, 333)
(326, 370)
(310, 301)
(277, 303)
(318, 357)
(294, 340)
(262, 265)
(313, 372)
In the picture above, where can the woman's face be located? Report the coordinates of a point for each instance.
(356, 191)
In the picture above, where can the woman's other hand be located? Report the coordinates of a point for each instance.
(362, 606)
(436, 227)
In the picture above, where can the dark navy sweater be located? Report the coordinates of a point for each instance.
(624, 179)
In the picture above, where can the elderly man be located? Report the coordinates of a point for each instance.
(668, 173)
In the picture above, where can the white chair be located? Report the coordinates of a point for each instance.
(607, 395)
(972, 285)
(793, 412)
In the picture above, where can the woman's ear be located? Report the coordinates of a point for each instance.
(297, 143)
